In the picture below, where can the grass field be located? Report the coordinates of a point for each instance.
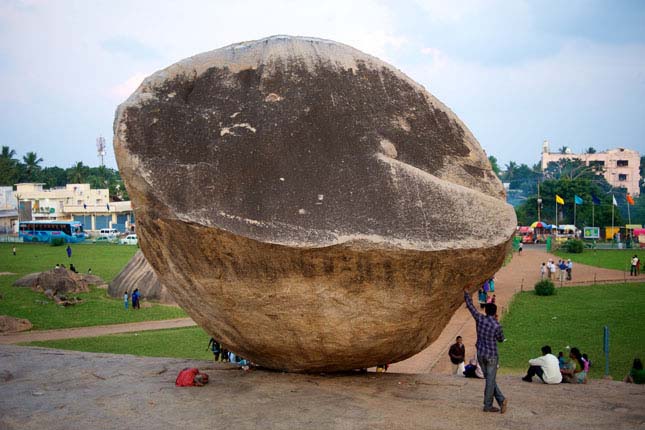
(618, 259)
(575, 316)
(97, 309)
(189, 342)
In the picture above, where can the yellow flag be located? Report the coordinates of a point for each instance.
(559, 199)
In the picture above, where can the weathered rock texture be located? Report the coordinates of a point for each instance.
(13, 325)
(307, 204)
(138, 274)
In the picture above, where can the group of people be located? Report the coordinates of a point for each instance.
(571, 368)
(136, 299)
(486, 293)
(222, 354)
(549, 269)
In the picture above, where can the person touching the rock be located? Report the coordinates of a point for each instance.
(489, 332)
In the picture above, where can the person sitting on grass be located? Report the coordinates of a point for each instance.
(574, 372)
(546, 367)
(637, 374)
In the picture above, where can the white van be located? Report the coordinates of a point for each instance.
(110, 233)
(130, 239)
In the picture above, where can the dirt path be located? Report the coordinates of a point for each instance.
(100, 330)
(520, 274)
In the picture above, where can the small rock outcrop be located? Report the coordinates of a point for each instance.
(138, 274)
(13, 325)
(310, 206)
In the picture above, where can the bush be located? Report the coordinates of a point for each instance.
(57, 241)
(545, 288)
(574, 246)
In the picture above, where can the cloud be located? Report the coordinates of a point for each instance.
(123, 90)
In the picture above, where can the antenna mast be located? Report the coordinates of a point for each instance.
(100, 148)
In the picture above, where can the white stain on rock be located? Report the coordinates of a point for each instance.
(230, 130)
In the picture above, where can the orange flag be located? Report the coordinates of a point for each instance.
(630, 200)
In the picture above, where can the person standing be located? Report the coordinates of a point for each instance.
(125, 300)
(69, 251)
(519, 249)
(489, 332)
(457, 353)
(547, 368)
(569, 269)
(14, 250)
(634, 264)
(543, 270)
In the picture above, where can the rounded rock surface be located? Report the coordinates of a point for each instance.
(309, 205)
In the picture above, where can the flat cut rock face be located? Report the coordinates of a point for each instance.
(310, 206)
(138, 274)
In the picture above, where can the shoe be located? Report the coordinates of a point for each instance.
(504, 405)
(491, 409)
(527, 379)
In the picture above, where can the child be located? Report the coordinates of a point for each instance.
(125, 300)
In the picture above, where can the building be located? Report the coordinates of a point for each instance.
(620, 166)
(8, 211)
(77, 202)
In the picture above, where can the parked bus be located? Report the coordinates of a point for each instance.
(45, 231)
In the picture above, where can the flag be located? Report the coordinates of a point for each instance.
(630, 200)
(84, 206)
(578, 200)
(614, 199)
(559, 199)
(595, 200)
(108, 207)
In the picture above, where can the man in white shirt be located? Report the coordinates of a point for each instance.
(547, 368)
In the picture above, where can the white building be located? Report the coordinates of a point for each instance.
(78, 202)
(8, 211)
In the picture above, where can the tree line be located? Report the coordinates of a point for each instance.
(569, 178)
(14, 170)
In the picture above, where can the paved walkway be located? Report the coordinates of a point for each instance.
(70, 333)
(520, 274)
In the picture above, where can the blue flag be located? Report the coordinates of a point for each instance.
(595, 200)
(84, 206)
(578, 200)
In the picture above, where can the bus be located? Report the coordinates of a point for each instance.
(46, 231)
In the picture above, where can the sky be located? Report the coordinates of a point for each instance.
(516, 72)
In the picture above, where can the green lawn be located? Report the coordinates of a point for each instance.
(97, 309)
(619, 259)
(575, 316)
(188, 342)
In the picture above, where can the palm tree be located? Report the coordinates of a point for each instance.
(9, 172)
(7, 153)
(591, 150)
(77, 174)
(32, 167)
(563, 150)
(511, 170)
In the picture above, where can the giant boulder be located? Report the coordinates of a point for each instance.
(309, 205)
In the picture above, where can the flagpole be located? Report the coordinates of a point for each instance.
(556, 217)
(593, 217)
(574, 211)
(629, 217)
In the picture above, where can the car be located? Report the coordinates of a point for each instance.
(102, 239)
(130, 239)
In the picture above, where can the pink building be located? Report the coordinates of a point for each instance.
(621, 166)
